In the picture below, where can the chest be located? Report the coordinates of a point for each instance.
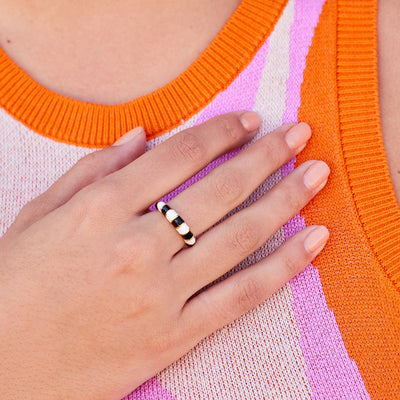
(109, 52)
(75, 70)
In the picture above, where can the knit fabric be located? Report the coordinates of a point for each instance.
(332, 332)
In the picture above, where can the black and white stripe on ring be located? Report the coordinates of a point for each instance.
(177, 222)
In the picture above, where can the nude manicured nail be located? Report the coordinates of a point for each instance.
(250, 120)
(316, 239)
(316, 174)
(298, 135)
(131, 135)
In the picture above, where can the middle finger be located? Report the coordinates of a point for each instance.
(224, 246)
(211, 198)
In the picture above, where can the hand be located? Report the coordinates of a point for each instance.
(96, 292)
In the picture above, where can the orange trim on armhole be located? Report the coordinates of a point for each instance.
(364, 300)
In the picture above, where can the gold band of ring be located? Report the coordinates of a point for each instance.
(177, 222)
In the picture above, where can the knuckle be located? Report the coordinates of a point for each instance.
(249, 294)
(227, 186)
(144, 245)
(269, 149)
(162, 341)
(217, 312)
(122, 255)
(88, 162)
(152, 296)
(291, 265)
(101, 201)
(134, 252)
(230, 125)
(291, 197)
(187, 146)
(245, 239)
(97, 199)
(33, 208)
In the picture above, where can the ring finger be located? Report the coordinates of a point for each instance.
(222, 247)
(211, 198)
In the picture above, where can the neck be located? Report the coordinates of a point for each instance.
(108, 52)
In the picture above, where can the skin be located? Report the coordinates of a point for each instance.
(137, 33)
(117, 52)
(389, 84)
(89, 290)
(78, 296)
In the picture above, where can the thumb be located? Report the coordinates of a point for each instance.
(87, 170)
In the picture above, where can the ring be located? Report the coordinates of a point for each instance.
(177, 222)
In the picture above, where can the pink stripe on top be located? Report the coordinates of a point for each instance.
(246, 82)
(330, 371)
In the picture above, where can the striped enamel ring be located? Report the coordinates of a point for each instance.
(177, 222)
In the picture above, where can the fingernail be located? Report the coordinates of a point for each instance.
(131, 135)
(316, 174)
(297, 136)
(250, 120)
(316, 239)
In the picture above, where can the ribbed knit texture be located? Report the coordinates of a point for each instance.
(94, 125)
(333, 331)
(360, 128)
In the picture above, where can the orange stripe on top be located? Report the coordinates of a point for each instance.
(356, 267)
(361, 134)
(94, 125)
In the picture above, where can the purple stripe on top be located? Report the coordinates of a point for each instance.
(330, 371)
(241, 94)
(152, 389)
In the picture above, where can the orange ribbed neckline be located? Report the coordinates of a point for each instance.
(94, 125)
(361, 135)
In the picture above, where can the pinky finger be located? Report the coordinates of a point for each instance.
(89, 169)
(229, 299)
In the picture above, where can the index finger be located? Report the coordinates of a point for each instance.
(162, 169)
